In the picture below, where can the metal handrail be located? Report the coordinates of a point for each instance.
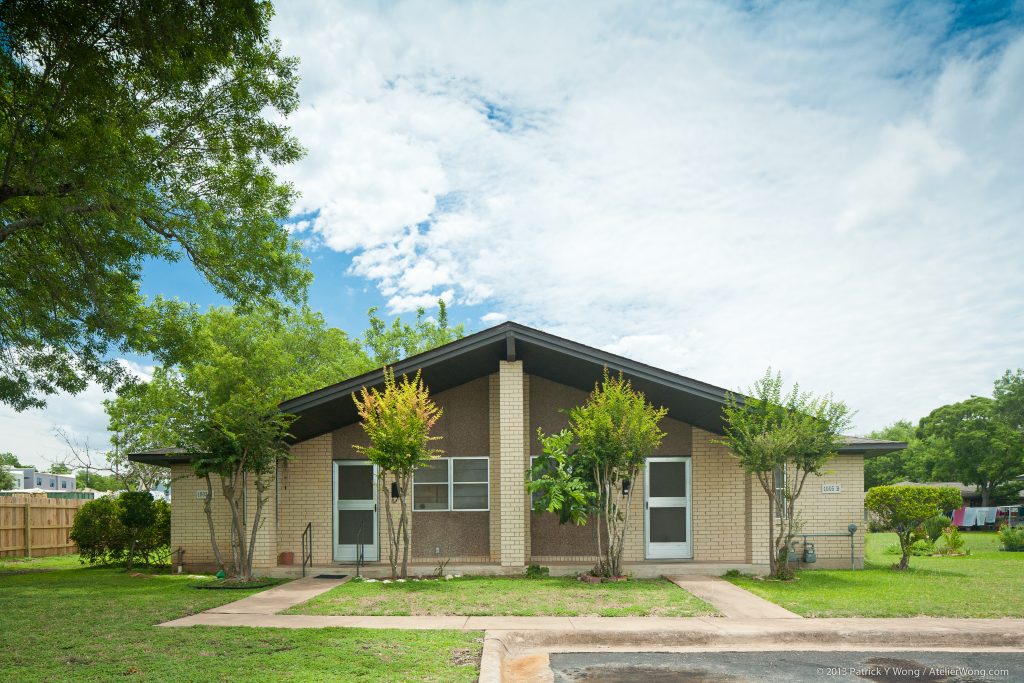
(307, 547)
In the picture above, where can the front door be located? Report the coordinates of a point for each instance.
(355, 511)
(667, 514)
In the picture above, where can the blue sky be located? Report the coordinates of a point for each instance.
(830, 189)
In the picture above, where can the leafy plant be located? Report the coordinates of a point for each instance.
(397, 422)
(905, 509)
(123, 529)
(952, 540)
(1012, 538)
(922, 547)
(934, 526)
(536, 571)
(614, 432)
(794, 434)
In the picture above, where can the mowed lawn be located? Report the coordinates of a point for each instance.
(60, 621)
(508, 596)
(987, 583)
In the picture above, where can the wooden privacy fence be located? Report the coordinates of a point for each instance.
(34, 526)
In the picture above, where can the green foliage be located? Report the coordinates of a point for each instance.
(1009, 397)
(614, 432)
(135, 132)
(794, 431)
(953, 541)
(906, 508)
(987, 450)
(1011, 538)
(6, 479)
(97, 481)
(122, 529)
(933, 526)
(535, 571)
(60, 468)
(560, 483)
(222, 402)
(922, 547)
(397, 422)
(388, 345)
(10, 460)
(917, 462)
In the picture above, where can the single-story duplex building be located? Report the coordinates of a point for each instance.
(693, 508)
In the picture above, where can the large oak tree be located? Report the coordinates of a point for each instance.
(133, 131)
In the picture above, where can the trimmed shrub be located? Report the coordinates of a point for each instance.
(123, 529)
(906, 508)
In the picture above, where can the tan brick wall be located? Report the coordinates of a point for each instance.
(819, 512)
(512, 464)
(305, 495)
(190, 531)
(719, 502)
(494, 433)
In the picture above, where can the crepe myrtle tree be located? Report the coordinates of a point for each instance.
(397, 421)
(221, 406)
(905, 508)
(587, 468)
(781, 439)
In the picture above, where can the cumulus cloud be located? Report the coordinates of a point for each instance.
(31, 434)
(832, 190)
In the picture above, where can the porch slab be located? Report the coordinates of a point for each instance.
(641, 570)
(731, 601)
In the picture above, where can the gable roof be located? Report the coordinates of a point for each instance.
(546, 355)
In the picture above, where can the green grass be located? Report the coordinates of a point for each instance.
(986, 583)
(508, 596)
(87, 624)
(18, 564)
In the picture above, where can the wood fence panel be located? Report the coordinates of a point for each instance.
(48, 527)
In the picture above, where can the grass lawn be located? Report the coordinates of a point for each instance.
(508, 596)
(986, 583)
(74, 623)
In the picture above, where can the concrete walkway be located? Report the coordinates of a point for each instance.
(731, 601)
(279, 598)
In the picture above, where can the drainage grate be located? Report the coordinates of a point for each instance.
(330, 576)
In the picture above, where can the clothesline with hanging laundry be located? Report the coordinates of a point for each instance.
(968, 517)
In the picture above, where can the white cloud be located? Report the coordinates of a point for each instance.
(31, 434)
(831, 190)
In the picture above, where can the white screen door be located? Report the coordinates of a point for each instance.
(355, 510)
(667, 514)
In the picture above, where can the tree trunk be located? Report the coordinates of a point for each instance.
(986, 494)
(904, 562)
(392, 532)
(404, 525)
(208, 509)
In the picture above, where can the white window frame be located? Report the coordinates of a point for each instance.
(781, 504)
(451, 486)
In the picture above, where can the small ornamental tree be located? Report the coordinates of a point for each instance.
(614, 432)
(782, 439)
(905, 508)
(397, 422)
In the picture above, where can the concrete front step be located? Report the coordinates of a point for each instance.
(640, 570)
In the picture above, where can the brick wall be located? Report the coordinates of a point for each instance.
(719, 502)
(190, 531)
(512, 464)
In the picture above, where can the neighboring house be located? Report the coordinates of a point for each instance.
(693, 503)
(31, 478)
